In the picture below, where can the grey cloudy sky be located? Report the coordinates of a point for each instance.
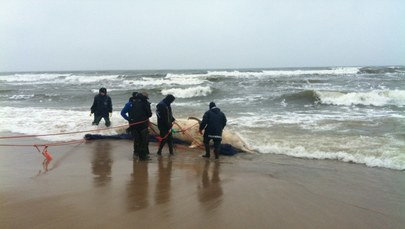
(55, 35)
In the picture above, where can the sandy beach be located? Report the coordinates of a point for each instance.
(98, 185)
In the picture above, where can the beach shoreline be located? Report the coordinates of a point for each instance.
(97, 184)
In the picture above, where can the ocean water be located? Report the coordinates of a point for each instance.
(351, 114)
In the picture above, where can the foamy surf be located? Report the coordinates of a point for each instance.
(367, 98)
(37, 121)
(382, 159)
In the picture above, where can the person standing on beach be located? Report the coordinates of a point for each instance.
(139, 113)
(213, 122)
(165, 121)
(102, 107)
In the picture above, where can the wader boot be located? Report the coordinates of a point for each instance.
(216, 154)
(207, 150)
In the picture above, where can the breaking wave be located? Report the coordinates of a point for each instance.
(306, 97)
(188, 92)
(377, 98)
(380, 70)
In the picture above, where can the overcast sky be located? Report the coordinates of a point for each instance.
(56, 35)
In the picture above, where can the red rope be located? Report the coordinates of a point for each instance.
(183, 131)
(49, 144)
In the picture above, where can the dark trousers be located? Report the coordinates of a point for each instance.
(168, 139)
(217, 145)
(141, 139)
(97, 120)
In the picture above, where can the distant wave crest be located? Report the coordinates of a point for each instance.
(381, 70)
(332, 71)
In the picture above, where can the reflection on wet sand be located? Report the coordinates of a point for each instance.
(102, 163)
(210, 190)
(163, 188)
(45, 165)
(137, 189)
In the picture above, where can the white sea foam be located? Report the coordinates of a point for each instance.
(21, 97)
(50, 78)
(333, 71)
(302, 120)
(80, 79)
(32, 77)
(370, 98)
(96, 90)
(266, 73)
(188, 92)
(235, 74)
(168, 80)
(241, 100)
(46, 121)
(384, 158)
(186, 77)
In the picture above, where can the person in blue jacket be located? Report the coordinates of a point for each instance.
(102, 107)
(139, 112)
(213, 122)
(165, 121)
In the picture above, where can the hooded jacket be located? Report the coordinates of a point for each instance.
(214, 121)
(138, 109)
(102, 105)
(164, 113)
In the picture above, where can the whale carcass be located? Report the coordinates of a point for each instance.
(188, 130)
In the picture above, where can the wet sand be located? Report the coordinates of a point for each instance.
(98, 185)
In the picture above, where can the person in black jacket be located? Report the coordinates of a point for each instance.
(102, 107)
(139, 113)
(214, 121)
(165, 122)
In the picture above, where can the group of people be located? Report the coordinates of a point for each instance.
(137, 112)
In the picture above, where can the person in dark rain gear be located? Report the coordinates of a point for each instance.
(139, 112)
(165, 121)
(213, 122)
(102, 107)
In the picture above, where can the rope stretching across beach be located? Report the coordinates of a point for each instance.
(49, 157)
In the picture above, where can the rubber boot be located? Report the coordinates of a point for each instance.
(159, 152)
(170, 144)
(216, 154)
(207, 151)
